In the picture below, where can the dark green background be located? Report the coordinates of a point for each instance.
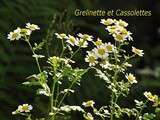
(52, 16)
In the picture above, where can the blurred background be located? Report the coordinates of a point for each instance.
(53, 16)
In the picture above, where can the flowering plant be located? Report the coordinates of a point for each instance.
(110, 61)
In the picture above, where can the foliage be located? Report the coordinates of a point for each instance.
(111, 62)
(44, 13)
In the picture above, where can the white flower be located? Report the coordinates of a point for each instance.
(98, 42)
(23, 108)
(121, 23)
(150, 97)
(91, 58)
(109, 47)
(71, 40)
(89, 103)
(101, 52)
(131, 78)
(81, 43)
(15, 35)
(129, 37)
(61, 36)
(137, 51)
(32, 27)
(85, 37)
(119, 37)
(122, 34)
(111, 29)
(107, 22)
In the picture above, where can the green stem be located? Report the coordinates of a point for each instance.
(52, 96)
(53, 116)
(114, 80)
(63, 48)
(57, 94)
(39, 68)
(75, 53)
(112, 106)
(66, 93)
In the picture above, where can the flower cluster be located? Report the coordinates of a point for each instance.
(100, 52)
(117, 28)
(109, 59)
(25, 108)
(81, 40)
(22, 32)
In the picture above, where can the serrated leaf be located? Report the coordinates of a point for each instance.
(38, 46)
(102, 75)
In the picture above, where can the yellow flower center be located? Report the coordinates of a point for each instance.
(72, 40)
(152, 97)
(112, 29)
(91, 59)
(119, 37)
(101, 51)
(124, 31)
(15, 35)
(109, 48)
(25, 107)
(98, 43)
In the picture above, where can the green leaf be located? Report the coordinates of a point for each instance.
(102, 75)
(38, 46)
